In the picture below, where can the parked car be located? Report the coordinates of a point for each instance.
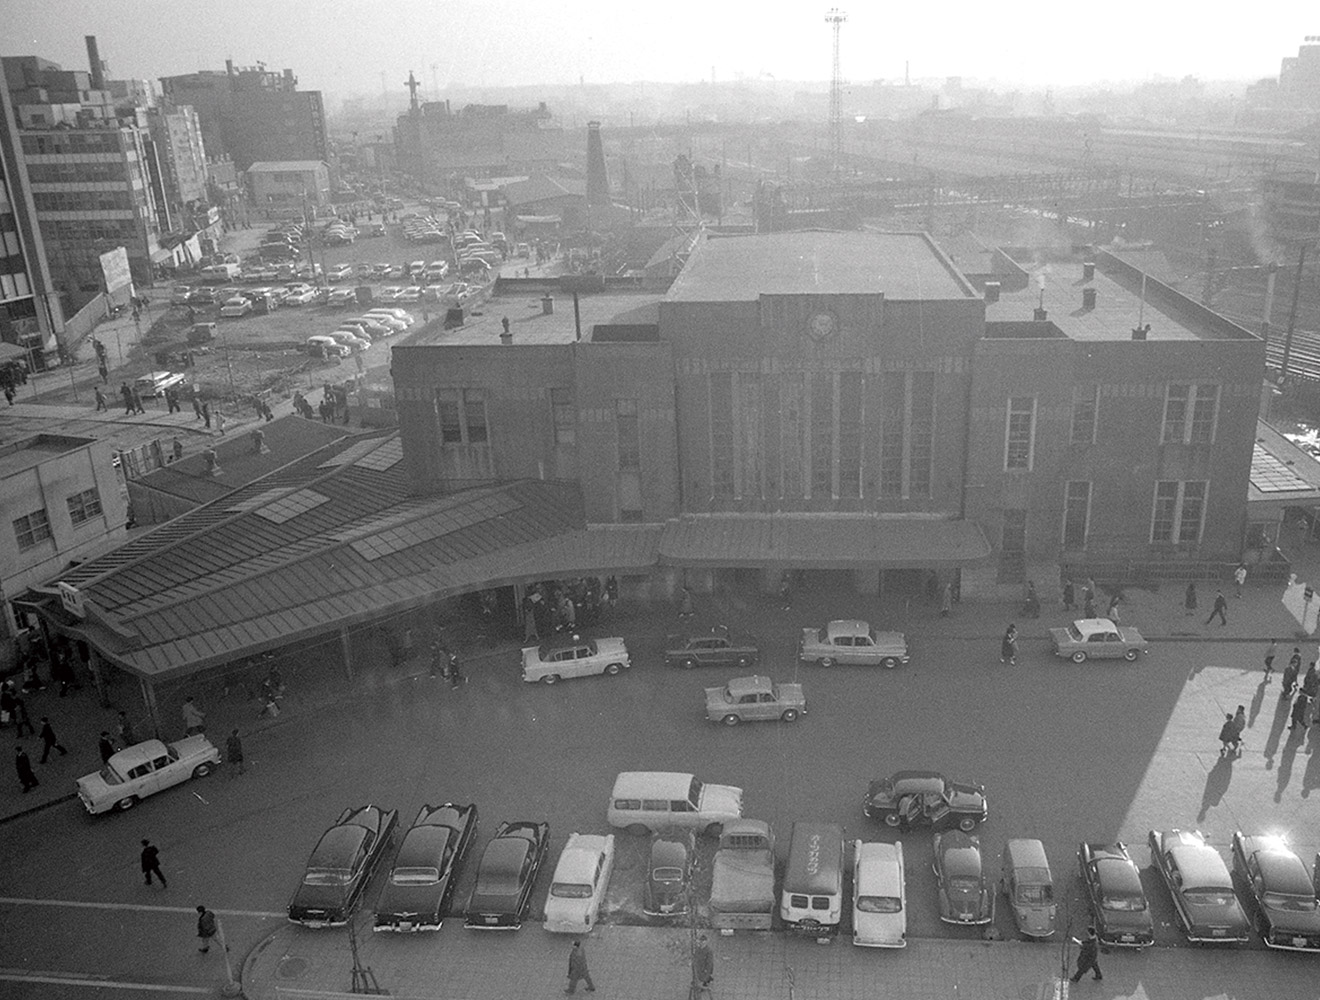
(668, 875)
(742, 886)
(852, 642)
(574, 656)
(1201, 886)
(754, 698)
(179, 294)
(879, 896)
(236, 307)
(320, 345)
(145, 769)
(1025, 878)
(402, 315)
(341, 298)
(155, 383)
(577, 890)
(341, 273)
(369, 327)
(341, 865)
(350, 339)
(422, 878)
(506, 876)
(1280, 891)
(300, 297)
(926, 797)
(390, 293)
(410, 294)
(714, 648)
(1097, 639)
(201, 296)
(966, 896)
(1119, 908)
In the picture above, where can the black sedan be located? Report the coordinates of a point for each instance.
(1200, 886)
(1119, 908)
(506, 876)
(716, 648)
(341, 866)
(421, 881)
(668, 875)
(1280, 890)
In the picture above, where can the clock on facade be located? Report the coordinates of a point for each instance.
(822, 325)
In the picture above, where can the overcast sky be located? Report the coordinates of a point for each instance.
(343, 46)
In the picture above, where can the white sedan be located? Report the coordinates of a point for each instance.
(578, 888)
(879, 896)
(235, 307)
(144, 769)
(390, 293)
(573, 656)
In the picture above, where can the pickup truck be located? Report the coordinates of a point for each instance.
(742, 890)
(1097, 639)
(747, 699)
(846, 641)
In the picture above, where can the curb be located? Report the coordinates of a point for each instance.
(37, 808)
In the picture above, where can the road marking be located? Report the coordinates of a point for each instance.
(101, 984)
(142, 907)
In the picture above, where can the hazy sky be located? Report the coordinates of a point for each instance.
(343, 46)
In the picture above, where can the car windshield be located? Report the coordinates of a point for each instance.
(570, 890)
(1035, 895)
(326, 876)
(1210, 896)
(110, 776)
(1123, 902)
(667, 874)
(415, 876)
(879, 904)
(1287, 901)
(1074, 633)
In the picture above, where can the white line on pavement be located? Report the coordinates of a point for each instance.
(80, 904)
(102, 984)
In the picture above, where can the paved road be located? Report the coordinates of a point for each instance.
(1066, 752)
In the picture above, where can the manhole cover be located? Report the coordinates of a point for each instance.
(291, 967)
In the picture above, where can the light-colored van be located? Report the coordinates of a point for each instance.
(219, 273)
(811, 900)
(643, 802)
(1027, 882)
(879, 896)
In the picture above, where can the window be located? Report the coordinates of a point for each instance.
(561, 410)
(1190, 412)
(1179, 512)
(1076, 514)
(822, 434)
(1020, 432)
(1086, 404)
(850, 434)
(721, 434)
(84, 506)
(629, 440)
(907, 433)
(462, 414)
(1013, 547)
(32, 528)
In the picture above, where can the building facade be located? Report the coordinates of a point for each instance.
(276, 187)
(181, 174)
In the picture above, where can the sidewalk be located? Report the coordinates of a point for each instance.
(642, 963)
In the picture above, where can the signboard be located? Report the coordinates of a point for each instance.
(114, 269)
(72, 599)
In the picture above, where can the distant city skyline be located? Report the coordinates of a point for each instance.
(346, 45)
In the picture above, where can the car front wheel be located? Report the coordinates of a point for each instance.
(891, 819)
(1079, 656)
(1129, 655)
(790, 715)
(123, 805)
(613, 669)
(731, 720)
(967, 824)
(826, 661)
(550, 679)
(689, 663)
(889, 662)
(201, 770)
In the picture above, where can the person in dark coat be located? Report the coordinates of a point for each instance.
(1069, 595)
(1189, 599)
(1299, 710)
(1008, 647)
(234, 751)
(21, 717)
(7, 699)
(1311, 681)
(100, 398)
(703, 966)
(1220, 609)
(1088, 956)
(207, 928)
(106, 747)
(1227, 733)
(23, 765)
(206, 415)
(1290, 672)
(577, 969)
(49, 741)
(1269, 658)
(151, 863)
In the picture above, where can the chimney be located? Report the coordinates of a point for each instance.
(94, 60)
(1040, 315)
(229, 67)
(992, 291)
(1139, 332)
(1088, 270)
(598, 182)
(1088, 299)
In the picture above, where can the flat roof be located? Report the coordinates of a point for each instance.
(528, 321)
(817, 262)
(31, 452)
(272, 166)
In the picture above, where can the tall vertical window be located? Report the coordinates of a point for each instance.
(1013, 547)
(1086, 405)
(462, 415)
(1179, 512)
(921, 433)
(625, 426)
(32, 528)
(565, 420)
(1020, 432)
(850, 434)
(84, 506)
(721, 434)
(893, 430)
(1076, 514)
(1190, 412)
(822, 434)
(907, 433)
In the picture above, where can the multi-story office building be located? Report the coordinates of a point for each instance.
(251, 114)
(180, 172)
(277, 188)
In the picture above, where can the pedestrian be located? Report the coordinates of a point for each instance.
(1031, 603)
(1220, 609)
(946, 601)
(567, 612)
(234, 752)
(151, 863)
(454, 671)
(1269, 658)
(1189, 599)
(7, 696)
(1239, 577)
(1311, 681)
(1008, 648)
(1239, 727)
(49, 741)
(178, 450)
(219, 421)
(611, 591)
(137, 401)
(703, 966)
(106, 747)
(267, 412)
(127, 395)
(1069, 596)
(103, 371)
(21, 717)
(1112, 611)
(126, 734)
(1227, 734)
(577, 969)
(685, 604)
(207, 928)
(197, 407)
(1088, 604)
(100, 398)
(23, 765)
(194, 719)
(1290, 672)
(206, 415)
(1088, 956)
(1299, 710)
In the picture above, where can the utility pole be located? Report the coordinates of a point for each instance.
(1292, 314)
(835, 18)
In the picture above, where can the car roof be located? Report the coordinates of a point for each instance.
(1026, 853)
(337, 845)
(652, 784)
(879, 868)
(1095, 625)
(131, 757)
(422, 845)
(505, 854)
(1201, 866)
(577, 862)
(1283, 871)
(960, 853)
(755, 684)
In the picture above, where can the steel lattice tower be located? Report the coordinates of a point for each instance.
(836, 17)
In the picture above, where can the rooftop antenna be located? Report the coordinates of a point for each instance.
(835, 18)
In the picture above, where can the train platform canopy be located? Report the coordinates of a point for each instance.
(1283, 475)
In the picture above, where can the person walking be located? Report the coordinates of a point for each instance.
(21, 717)
(1189, 599)
(234, 752)
(206, 415)
(207, 928)
(1311, 681)
(703, 967)
(49, 741)
(1088, 956)
(1290, 672)
(137, 401)
(100, 398)
(194, 719)
(577, 970)
(1112, 611)
(23, 765)
(151, 863)
(1269, 658)
(1069, 595)
(1239, 578)
(126, 394)
(1220, 609)
(1227, 732)
(454, 671)
(197, 407)
(1239, 719)
(106, 747)
(1299, 710)
(1008, 648)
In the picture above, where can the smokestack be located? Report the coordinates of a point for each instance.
(1088, 299)
(598, 182)
(229, 67)
(94, 60)
(1088, 270)
(992, 291)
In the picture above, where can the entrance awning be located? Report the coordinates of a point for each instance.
(822, 541)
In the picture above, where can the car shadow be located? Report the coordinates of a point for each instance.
(1216, 784)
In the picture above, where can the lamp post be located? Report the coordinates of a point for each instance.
(232, 987)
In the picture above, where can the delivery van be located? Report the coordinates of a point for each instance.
(218, 274)
(811, 901)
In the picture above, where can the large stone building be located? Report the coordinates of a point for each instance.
(280, 187)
